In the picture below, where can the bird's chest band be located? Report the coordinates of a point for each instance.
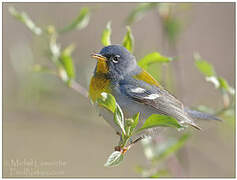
(98, 85)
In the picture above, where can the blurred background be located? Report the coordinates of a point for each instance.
(46, 122)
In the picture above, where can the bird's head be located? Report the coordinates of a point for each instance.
(114, 61)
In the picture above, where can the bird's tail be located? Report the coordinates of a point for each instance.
(201, 115)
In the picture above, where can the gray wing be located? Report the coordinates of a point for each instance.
(159, 99)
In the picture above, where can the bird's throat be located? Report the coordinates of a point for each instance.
(102, 67)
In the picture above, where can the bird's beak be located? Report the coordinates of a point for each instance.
(99, 57)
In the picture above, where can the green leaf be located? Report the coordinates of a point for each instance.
(172, 27)
(105, 39)
(131, 124)
(128, 41)
(67, 62)
(80, 22)
(156, 120)
(171, 146)
(114, 159)
(107, 101)
(135, 122)
(224, 85)
(204, 67)
(119, 118)
(25, 19)
(208, 70)
(128, 123)
(151, 58)
(139, 12)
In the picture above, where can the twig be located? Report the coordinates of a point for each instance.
(78, 88)
(134, 142)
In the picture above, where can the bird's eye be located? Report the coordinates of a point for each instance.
(116, 58)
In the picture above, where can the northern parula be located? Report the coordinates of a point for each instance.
(135, 90)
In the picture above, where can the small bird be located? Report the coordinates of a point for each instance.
(135, 90)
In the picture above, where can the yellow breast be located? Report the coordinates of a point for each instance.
(98, 85)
